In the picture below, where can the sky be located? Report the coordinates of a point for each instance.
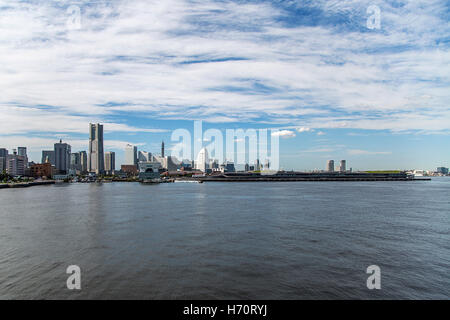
(365, 81)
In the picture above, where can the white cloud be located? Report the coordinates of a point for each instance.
(285, 134)
(366, 152)
(134, 58)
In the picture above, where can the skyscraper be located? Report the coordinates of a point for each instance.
(22, 151)
(110, 162)
(162, 149)
(342, 166)
(3, 158)
(330, 165)
(62, 157)
(83, 161)
(96, 161)
(130, 155)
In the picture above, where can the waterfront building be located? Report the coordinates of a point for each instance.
(41, 170)
(130, 155)
(149, 170)
(342, 166)
(15, 164)
(330, 165)
(62, 157)
(202, 160)
(48, 156)
(110, 162)
(129, 169)
(96, 160)
(442, 170)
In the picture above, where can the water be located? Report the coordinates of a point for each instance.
(292, 240)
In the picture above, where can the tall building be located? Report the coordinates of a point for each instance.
(202, 160)
(130, 155)
(330, 165)
(342, 166)
(442, 170)
(22, 151)
(48, 156)
(3, 157)
(96, 161)
(15, 165)
(62, 157)
(75, 161)
(110, 162)
(83, 162)
(162, 149)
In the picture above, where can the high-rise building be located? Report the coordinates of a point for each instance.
(62, 157)
(75, 161)
(15, 165)
(342, 166)
(110, 162)
(202, 160)
(48, 156)
(96, 160)
(162, 149)
(83, 161)
(3, 157)
(442, 170)
(130, 155)
(22, 151)
(330, 165)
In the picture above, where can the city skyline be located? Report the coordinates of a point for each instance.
(336, 84)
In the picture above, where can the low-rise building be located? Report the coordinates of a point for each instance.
(41, 170)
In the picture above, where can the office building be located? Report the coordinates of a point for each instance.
(22, 151)
(110, 162)
(162, 149)
(2, 164)
(75, 161)
(442, 170)
(62, 157)
(48, 156)
(342, 166)
(15, 164)
(330, 165)
(130, 155)
(96, 158)
(83, 161)
(3, 152)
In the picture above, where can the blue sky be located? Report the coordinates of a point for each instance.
(336, 87)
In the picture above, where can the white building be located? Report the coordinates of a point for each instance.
(202, 160)
(342, 166)
(144, 156)
(15, 165)
(110, 162)
(130, 155)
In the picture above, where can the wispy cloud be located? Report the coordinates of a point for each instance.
(233, 61)
(367, 152)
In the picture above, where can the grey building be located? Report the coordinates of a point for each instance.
(75, 161)
(83, 161)
(330, 165)
(48, 155)
(3, 157)
(96, 161)
(110, 162)
(62, 157)
(343, 166)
